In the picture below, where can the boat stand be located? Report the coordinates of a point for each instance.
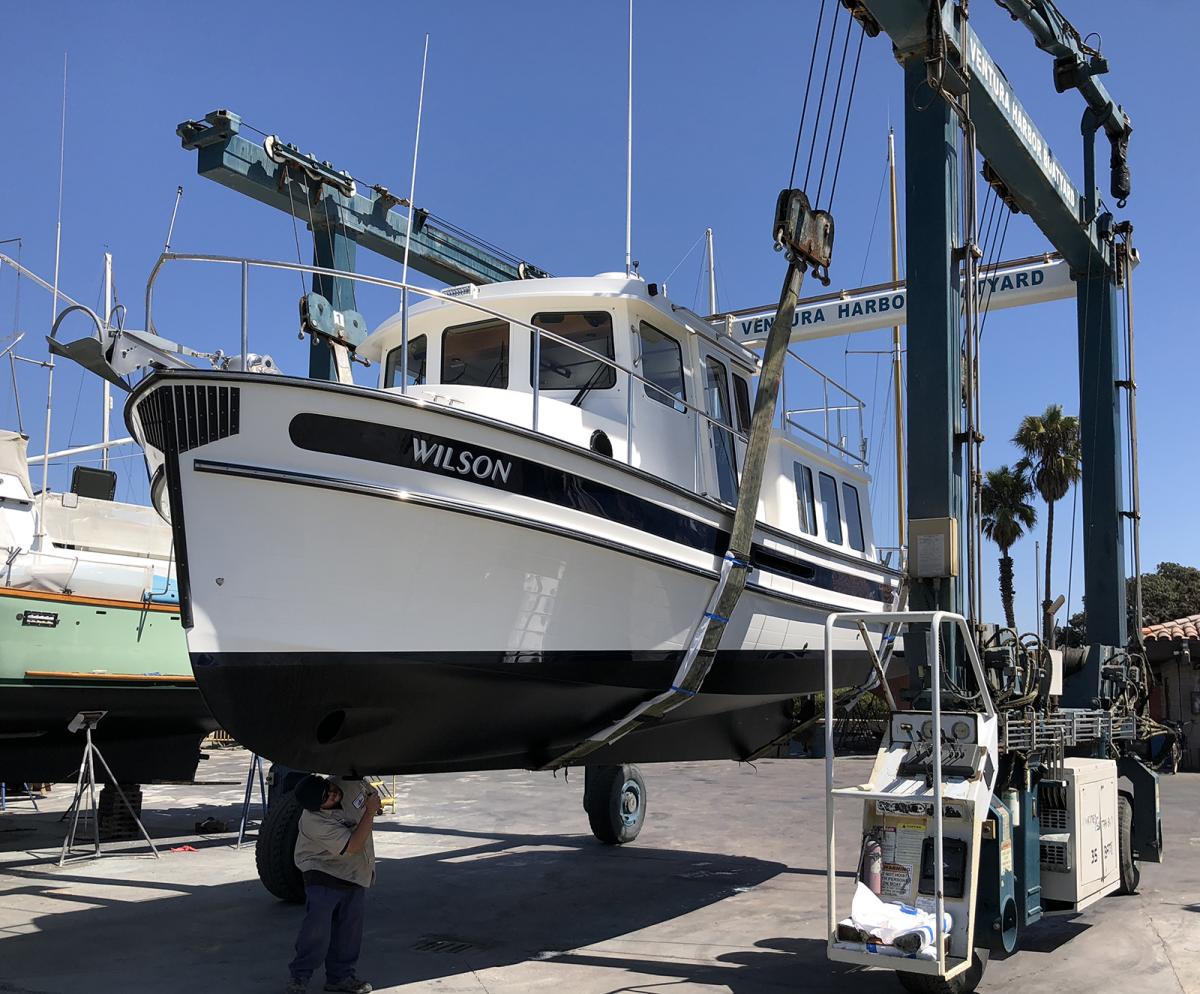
(255, 770)
(26, 794)
(86, 721)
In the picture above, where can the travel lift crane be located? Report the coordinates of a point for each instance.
(1001, 773)
(995, 798)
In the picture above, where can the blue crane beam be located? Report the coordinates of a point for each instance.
(1005, 132)
(326, 199)
(1022, 159)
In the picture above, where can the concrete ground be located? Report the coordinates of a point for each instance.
(492, 882)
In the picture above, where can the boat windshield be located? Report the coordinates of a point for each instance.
(417, 355)
(565, 368)
(476, 354)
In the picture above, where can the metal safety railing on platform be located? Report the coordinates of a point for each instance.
(836, 417)
(934, 620)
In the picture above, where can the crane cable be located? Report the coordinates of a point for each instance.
(834, 109)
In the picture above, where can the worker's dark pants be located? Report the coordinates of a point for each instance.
(332, 930)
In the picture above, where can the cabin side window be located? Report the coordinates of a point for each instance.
(565, 368)
(476, 354)
(829, 510)
(804, 498)
(417, 355)
(662, 365)
(716, 388)
(741, 396)
(854, 526)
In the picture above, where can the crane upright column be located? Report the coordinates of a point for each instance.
(1100, 441)
(934, 463)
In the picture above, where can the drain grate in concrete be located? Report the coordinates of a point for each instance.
(442, 944)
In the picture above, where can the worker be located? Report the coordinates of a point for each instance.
(335, 853)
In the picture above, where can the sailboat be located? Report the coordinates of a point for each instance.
(503, 545)
(89, 621)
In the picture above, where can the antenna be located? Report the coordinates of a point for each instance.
(62, 143)
(107, 400)
(629, 157)
(412, 192)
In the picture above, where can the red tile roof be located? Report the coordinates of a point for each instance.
(1182, 628)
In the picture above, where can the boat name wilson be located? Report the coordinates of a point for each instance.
(467, 463)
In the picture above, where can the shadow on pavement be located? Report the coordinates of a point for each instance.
(498, 900)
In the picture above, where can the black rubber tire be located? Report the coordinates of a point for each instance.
(610, 789)
(964, 983)
(1131, 873)
(275, 850)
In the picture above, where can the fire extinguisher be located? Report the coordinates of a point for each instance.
(870, 865)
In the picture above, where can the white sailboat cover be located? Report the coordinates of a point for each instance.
(14, 466)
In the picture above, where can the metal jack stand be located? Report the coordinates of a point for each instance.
(255, 769)
(86, 721)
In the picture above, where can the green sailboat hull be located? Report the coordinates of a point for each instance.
(61, 654)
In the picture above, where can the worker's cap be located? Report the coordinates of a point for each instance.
(310, 792)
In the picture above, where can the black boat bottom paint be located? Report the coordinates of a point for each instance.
(150, 733)
(402, 712)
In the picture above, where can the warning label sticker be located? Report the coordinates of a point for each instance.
(897, 879)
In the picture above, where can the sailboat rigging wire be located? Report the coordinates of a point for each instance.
(62, 146)
(412, 193)
(807, 88)
(821, 99)
(12, 363)
(696, 291)
(684, 258)
(862, 276)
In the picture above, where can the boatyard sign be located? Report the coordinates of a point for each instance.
(1007, 285)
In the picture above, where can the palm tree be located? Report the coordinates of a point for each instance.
(1007, 514)
(1052, 450)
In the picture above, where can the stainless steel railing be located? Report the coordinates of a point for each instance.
(836, 417)
(831, 415)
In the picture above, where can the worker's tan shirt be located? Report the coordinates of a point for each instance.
(324, 836)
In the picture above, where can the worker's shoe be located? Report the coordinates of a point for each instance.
(296, 986)
(349, 985)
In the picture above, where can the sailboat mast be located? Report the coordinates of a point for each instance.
(62, 145)
(897, 365)
(712, 271)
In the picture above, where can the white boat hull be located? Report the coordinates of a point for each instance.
(376, 584)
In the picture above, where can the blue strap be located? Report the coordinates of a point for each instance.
(738, 563)
(685, 692)
(716, 617)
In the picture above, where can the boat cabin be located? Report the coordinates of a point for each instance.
(629, 374)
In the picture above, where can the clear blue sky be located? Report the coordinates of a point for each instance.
(523, 143)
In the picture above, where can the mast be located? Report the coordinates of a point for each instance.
(40, 537)
(897, 365)
(712, 271)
